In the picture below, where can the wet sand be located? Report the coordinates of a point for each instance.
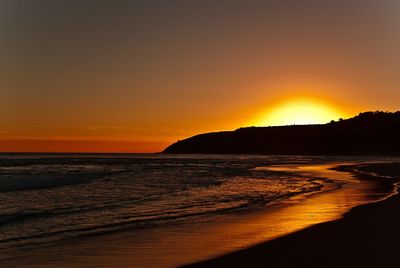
(367, 236)
(206, 238)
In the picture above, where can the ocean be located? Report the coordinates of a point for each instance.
(50, 198)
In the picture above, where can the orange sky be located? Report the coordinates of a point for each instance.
(134, 77)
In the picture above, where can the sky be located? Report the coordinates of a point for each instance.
(135, 76)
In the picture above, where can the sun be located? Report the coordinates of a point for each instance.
(299, 112)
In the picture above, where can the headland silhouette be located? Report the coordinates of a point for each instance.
(369, 133)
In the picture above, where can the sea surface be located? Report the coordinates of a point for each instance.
(48, 198)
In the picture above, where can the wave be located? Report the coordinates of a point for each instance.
(143, 219)
(50, 199)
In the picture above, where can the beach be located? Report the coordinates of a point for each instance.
(248, 232)
(367, 236)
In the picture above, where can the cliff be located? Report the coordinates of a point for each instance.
(370, 133)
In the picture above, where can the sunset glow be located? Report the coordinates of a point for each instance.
(208, 133)
(135, 76)
(299, 112)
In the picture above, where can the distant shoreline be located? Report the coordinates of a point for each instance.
(367, 236)
(370, 133)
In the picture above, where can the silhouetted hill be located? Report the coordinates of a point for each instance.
(367, 133)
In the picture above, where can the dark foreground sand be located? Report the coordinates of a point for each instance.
(367, 236)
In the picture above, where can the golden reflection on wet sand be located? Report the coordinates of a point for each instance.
(170, 246)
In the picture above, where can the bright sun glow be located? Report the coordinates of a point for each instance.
(299, 112)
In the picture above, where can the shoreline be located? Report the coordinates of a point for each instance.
(176, 245)
(366, 236)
